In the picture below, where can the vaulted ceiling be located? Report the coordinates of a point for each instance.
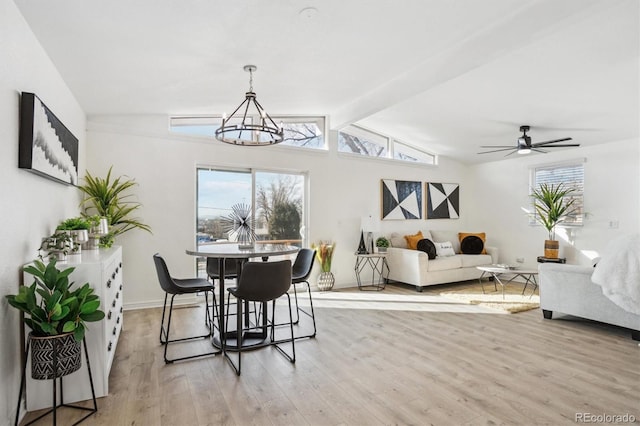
(445, 75)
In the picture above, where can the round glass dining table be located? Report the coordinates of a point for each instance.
(227, 250)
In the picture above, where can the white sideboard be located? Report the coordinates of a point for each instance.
(102, 269)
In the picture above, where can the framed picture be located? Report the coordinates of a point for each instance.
(443, 200)
(401, 199)
(47, 147)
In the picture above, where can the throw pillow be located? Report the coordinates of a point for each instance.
(471, 244)
(481, 235)
(444, 249)
(427, 246)
(444, 236)
(397, 240)
(412, 240)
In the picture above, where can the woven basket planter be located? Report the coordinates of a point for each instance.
(63, 348)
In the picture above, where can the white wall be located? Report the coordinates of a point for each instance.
(343, 188)
(612, 193)
(31, 205)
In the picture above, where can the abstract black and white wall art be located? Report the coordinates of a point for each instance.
(443, 200)
(47, 147)
(401, 199)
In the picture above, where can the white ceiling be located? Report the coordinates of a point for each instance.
(446, 75)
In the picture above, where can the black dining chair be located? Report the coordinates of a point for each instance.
(260, 282)
(301, 270)
(174, 287)
(231, 268)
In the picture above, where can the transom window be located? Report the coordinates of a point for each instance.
(303, 132)
(357, 140)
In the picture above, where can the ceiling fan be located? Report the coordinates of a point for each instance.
(524, 145)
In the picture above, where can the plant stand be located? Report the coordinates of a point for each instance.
(55, 400)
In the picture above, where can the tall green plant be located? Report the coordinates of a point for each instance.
(552, 205)
(111, 199)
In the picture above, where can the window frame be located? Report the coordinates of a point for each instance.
(389, 145)
(560, 167)
(215, 120)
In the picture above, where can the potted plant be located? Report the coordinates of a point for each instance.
(58, 246)
(109, 199)
(56, 315)
(77, 227)
(324, 253)
(382, 243)
(552, 206)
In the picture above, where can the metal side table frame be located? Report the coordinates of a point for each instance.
(377, 262)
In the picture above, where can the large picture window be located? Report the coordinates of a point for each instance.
(570, 175)
(277, 200)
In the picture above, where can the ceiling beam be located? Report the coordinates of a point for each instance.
(526, 24)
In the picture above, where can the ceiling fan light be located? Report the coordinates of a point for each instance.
(524, 151)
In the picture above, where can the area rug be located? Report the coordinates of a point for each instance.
(512, 302)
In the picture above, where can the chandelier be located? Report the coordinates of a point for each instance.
(239, 128)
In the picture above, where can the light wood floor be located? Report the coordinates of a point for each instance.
(446, 365)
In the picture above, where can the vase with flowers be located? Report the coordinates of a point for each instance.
(324, 253)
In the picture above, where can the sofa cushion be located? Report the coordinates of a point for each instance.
(412, 240)
(444, 263)
(471, 244)
(481, 235)
(443, 236)
(471, 260)
(427, 246)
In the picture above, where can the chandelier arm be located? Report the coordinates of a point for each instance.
(266, 132)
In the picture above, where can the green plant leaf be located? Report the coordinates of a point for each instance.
(89, 307)
(93, 316)
(64, 311)
(47, 328)
(78, 334)
(68, 327)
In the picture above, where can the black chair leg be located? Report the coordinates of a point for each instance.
(167, 340)
(163, 334)
(291, 358)
(239, 334)
(295, 295)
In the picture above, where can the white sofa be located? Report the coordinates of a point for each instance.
(568, 289)
(415, 268)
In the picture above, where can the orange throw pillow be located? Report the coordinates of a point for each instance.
(480, 235)
(412, 240)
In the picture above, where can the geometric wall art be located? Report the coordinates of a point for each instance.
(401, 199)
(443, 200)
(46, 147)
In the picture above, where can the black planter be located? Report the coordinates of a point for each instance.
(54, 356)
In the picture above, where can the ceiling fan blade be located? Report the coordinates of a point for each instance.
(548, 142)
(498, 150)
(558, 146)
(539, 150)
(512, 152)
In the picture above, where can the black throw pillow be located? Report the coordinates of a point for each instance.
(427, 246)
(471, 245)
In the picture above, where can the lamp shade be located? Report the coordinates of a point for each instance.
(369, 224)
